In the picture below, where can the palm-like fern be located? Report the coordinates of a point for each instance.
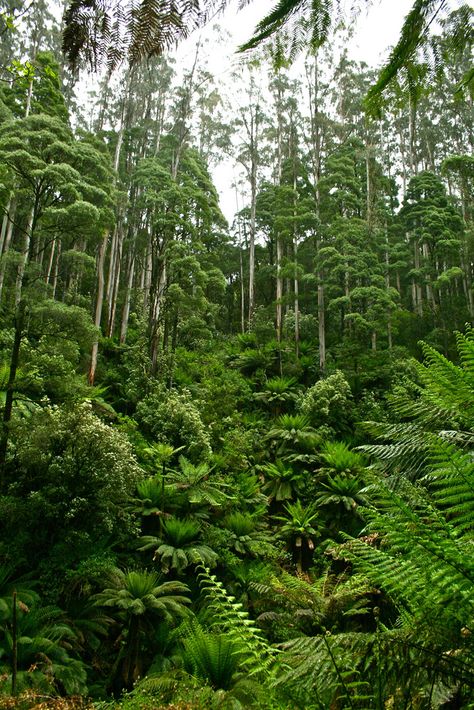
(194, 483)
(179, 546)
(338, 458)
(293, 433)
(247, 538)
(44, 652)
(341, 491)
(300, 529)
(139, 599)
(277, 392)
(283, 481)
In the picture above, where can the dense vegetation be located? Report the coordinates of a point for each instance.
(236, 460)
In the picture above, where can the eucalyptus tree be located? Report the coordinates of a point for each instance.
(250, 123)
(434, 227)
(317, 136)
(61, 187)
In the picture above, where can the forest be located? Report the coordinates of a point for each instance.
(236, 451)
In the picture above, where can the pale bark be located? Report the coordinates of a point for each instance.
(50, 262)
(242, 293)
(126, 305)
(7, 241)
(56, 268)
(24, 256)
(98, 307)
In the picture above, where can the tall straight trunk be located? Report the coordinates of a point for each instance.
(412, 136)
(251, 163)
(279, 288)
(128, 295)
(295, 251)
(10, 216)
(242, 293)
(112, 303)
(50, 262)
(24, 256)
(279, 239)
(416, 288)
(29, 96)
(56, 268)
(321, 324)
(5, 222)
(253, 211)
(297, 305)
(316, 160)
(404, 161)
(368, 179)
(112, 266)
(148, 270)
(104, 243)
(156, 316)
(98, 308)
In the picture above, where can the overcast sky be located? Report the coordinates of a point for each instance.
(375, 29)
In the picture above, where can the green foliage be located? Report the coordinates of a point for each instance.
(283, 481)
(338, 458)
(257, 657)
(46, 662)
(171, 417)
(198, 486)
(179, 546)
(138, 599)
(293, 433)
(69, 465)
(341, 491)
(328, 404)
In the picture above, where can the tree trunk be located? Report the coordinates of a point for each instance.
(24, 256)
(10, 216)
(98, 308)
(10, 388)
(242, 293)
(128, 295)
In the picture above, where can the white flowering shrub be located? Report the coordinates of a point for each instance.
(329, 404)
(171, 417)
(71, 485)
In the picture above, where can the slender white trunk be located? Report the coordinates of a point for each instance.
(56, 268)
(242, 293)
(24, 257)
(7, 241)
(126, 305)
(50, 262)
(98, 308)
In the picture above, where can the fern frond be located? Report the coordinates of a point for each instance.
(229, 617)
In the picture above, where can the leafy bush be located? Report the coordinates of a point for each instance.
(328, 404)
(71, 478)
(172, 417)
